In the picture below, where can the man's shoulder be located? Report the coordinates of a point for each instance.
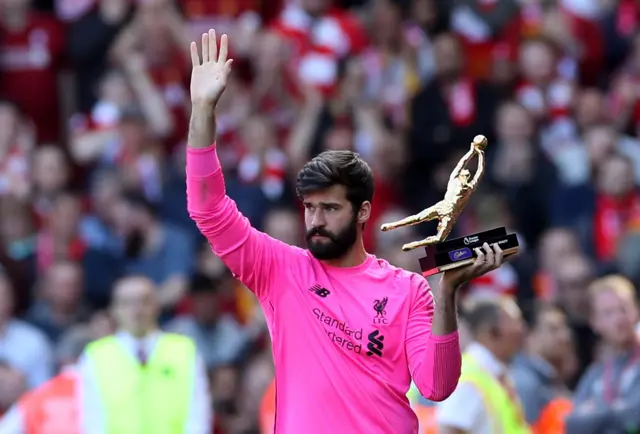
(28, 334)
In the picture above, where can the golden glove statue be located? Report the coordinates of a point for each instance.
(447, 211)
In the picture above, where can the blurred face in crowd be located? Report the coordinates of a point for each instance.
(614, 315)
(385, 21)
(510, 332)
(104, 196)
(114, 88)
(448, 58)
(331, 222)
(206, 304)
(157, 44)
(210, 264)
(573, 276)
(12, 385)
(551, 336)
(590, 108)
(9, 119)
(600, 142)
(556, 244)
(135, 305)
(10, 7)
(65, 216)
(15, 222)
(6, 299)
(64, 285)
(134, 134)
(514, 123)
(537, 61)
(314, 7)
(339, 138)
(615, 176)
(284, 225)
(258, 134)
(51, 169)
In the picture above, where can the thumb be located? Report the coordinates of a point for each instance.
(227, 66)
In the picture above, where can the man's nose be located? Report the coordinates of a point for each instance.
(318, 219)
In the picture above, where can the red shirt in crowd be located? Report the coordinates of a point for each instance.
(30, 60)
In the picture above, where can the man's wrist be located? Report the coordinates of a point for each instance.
(203, 107)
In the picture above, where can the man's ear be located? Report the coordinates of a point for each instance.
(365, 212)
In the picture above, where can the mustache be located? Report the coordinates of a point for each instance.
(319, 231)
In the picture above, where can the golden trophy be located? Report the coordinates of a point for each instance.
(445, 255)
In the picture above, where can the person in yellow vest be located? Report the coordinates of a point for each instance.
(142, 380)
(485, 401)
(52, 408)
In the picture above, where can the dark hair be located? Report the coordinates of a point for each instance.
(203, 284)
(338, 168)
(536, 312)
(138, 200)
(482, 313)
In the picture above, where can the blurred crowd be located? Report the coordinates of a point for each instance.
(94, 106)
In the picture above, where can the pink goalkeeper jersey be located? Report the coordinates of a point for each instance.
(346, 341)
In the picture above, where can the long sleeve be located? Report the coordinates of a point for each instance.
(12, 422)
(435, 362)
(253, 257)
(90, 408)
(200, 419)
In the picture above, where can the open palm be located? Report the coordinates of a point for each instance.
(209, 77)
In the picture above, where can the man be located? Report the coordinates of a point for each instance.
(607, 398)
(142, 377)
(219, 337)
(22, 346)
(485, 401)
(52, 407)
(349, 330)
(537, 374)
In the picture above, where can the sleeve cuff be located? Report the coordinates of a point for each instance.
(202, 162)
(451, 337)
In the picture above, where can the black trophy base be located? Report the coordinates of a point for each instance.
(459, 252)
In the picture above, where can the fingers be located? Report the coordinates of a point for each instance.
(213, 46)
(227, 66)
(195, 57)
(490, 257)
(205, 48)
(480, 260)
(224, 49)
(499, 254)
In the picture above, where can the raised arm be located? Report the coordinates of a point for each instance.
(462, 163)
(252, 256)
(479, 171)
(432, 341)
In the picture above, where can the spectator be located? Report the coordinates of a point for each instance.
(537, 373)
(498, 331)
(607, 397)
(12, 385)
(155, 249)
(59, 304)
(219, 337)
(23, 346)
(30, 75)
(32, 415)
(107, 374)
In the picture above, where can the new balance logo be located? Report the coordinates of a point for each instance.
(375, 345)
(320, 291)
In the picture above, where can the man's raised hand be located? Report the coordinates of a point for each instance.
(209, 77)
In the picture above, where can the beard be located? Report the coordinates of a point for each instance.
(336, 245)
